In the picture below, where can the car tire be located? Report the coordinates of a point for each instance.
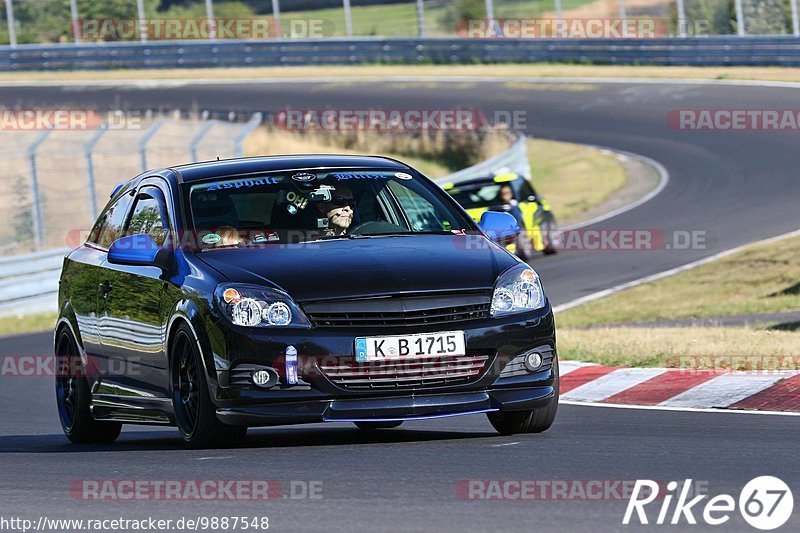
(531, 421)
(195, 413)
(372, 426)
(73, 397)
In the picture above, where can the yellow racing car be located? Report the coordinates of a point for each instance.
(512, 193)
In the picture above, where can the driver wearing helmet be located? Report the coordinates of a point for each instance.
(338, 210)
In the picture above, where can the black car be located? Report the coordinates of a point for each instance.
(283, 290)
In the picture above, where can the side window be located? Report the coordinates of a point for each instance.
(420, 213)
(109, 226)
(149, 216)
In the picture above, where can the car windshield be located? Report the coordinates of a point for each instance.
(297, 206)
(478, 195)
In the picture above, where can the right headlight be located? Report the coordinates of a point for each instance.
(517, 290)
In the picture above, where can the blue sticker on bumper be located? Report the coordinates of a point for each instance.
(361, 349)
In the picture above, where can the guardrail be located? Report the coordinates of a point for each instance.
(698, 51)
(515, 159)
(29, 283)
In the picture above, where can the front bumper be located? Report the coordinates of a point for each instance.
(410, 407)
(318, 398)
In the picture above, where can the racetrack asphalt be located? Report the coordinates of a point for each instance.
(738, 187)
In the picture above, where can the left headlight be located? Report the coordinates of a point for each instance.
(517, 290)
(250, 306)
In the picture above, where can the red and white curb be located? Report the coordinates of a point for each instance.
(681, 389)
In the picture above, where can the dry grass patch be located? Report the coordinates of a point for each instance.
(385, 71)
(762, 278)
(16, 325)
(681, 347)
(434, 155)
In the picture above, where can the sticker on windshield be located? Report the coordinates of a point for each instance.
(402, 176)
(211, 238)
(242, 183)
(304, 177)
(358, 176)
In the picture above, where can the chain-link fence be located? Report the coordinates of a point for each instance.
(66, 21)
(54, 181)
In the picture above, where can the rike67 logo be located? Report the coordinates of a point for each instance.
(765, 503)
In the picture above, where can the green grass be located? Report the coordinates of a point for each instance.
(572, 177)
(13, 325)
(682, 347)
(762, 278)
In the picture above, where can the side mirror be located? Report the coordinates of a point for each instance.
(138, 250)
(500, 227)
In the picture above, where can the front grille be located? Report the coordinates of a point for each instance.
(406, 311)
(404, 373)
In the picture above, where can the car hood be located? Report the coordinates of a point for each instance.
(349, 268)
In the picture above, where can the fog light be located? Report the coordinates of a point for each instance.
(533, 361)
(264, 378)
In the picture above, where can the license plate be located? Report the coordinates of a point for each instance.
(402, 346)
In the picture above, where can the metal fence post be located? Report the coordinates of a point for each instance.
(90, 181)
(12, 29)
(199, 137)
(36, 199)
(740, 19)
(795, 19)
(623, 15)
(248, 128)
(152, 130)
(276, 18)
(559, 10)
(348, 21)
(142, 21)
(212, 22)
(681, 19)
(420, 19)
(490, 10)
(76, 23)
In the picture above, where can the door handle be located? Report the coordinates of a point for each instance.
(105, 288)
